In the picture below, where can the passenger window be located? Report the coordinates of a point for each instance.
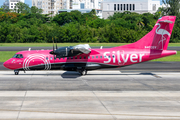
(92, 57)
(46, 58)
(88, 57)
(97, 57)
(76, 57)
(54, 57)
(101, 57)
(51, 58)
(71, 57)
(80, 57)
(84, 57)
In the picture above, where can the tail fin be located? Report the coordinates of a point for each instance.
(158, 38)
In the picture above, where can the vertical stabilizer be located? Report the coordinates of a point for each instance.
(158, 38)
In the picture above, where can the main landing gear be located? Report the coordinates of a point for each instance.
(16, 72)
(83, 72)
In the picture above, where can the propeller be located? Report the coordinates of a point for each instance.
(52, 52)
(56, 43)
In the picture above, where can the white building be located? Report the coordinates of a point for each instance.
(67, 4)
(86, 4)
(109, 7)
(49, 6)
(98, 12)
(52, 6)
(12, 3)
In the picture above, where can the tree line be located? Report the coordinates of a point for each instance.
(28, 25)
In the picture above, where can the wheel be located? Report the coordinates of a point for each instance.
(16, 72)
(83, 72)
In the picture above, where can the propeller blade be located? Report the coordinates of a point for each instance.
(56, 45)
(53, 44)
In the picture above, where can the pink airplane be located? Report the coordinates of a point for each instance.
(82, 58)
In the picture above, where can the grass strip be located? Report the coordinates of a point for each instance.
(5, 55)
(173, 58)
(69, 44)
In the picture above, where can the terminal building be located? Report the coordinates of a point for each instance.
(109, 7)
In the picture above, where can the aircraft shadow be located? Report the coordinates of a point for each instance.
(71, 74)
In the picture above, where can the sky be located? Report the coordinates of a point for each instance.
(29, 2)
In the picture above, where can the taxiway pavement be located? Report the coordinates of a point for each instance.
(105, 95)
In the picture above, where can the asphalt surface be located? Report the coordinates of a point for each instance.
(50, 48)
(95, 80)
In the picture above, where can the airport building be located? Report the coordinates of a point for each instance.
(109, 7)
(12, 3)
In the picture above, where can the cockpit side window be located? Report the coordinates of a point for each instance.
(18, 56)
(21, 56)
(14, 56)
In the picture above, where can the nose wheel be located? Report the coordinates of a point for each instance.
(16, 72)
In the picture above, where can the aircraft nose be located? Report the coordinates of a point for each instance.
(6, 64)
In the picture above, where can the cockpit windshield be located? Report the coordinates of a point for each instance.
(18, 56)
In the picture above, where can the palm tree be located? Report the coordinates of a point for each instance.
(139, 22)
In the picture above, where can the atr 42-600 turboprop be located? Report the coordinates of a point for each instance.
(82, 58)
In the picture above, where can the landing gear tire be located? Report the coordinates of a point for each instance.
(83, 72)
(16, 72)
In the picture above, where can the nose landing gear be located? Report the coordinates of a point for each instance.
(16, 72)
